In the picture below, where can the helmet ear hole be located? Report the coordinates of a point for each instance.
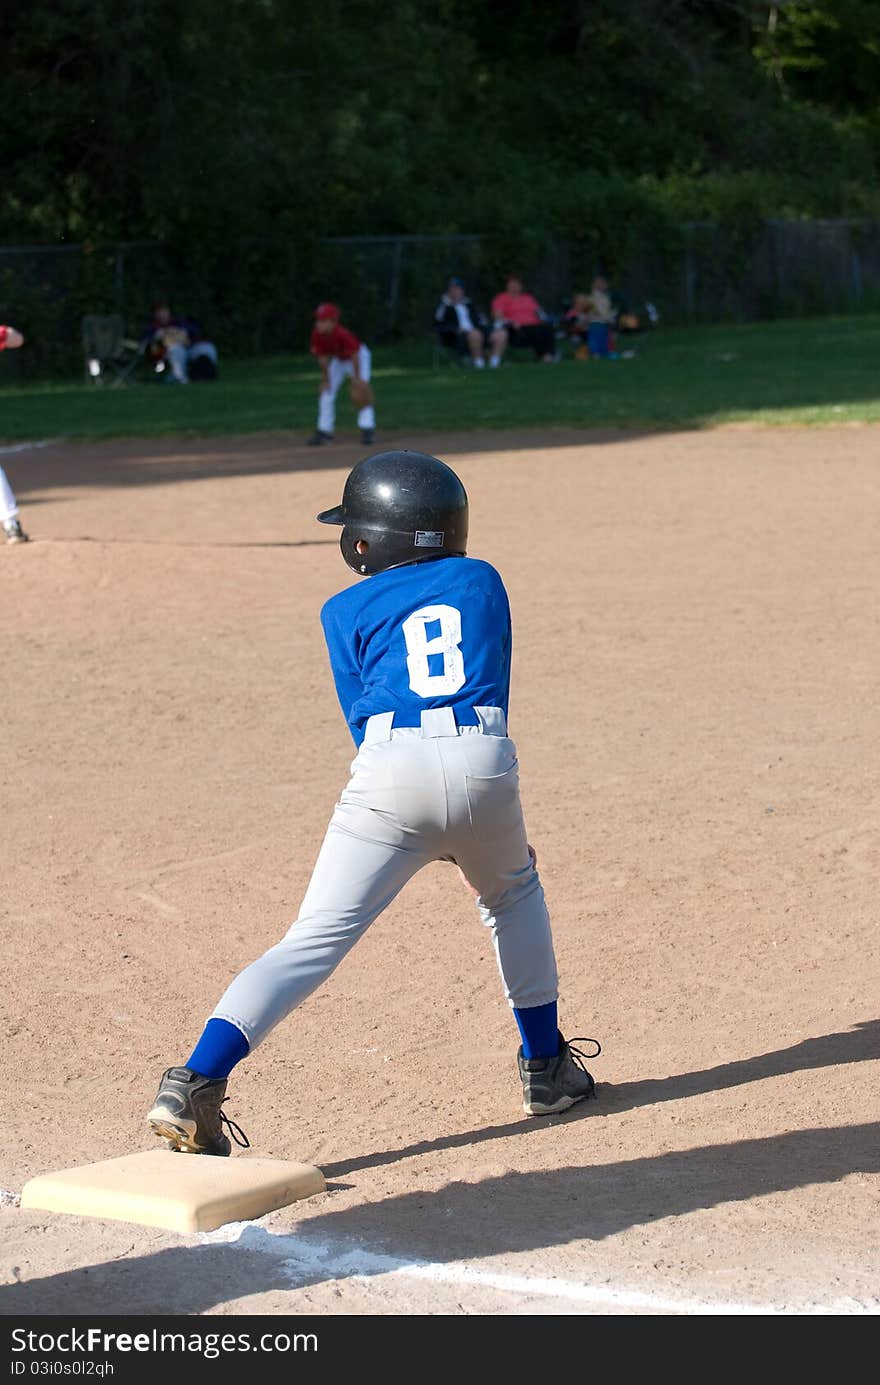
(348, 547)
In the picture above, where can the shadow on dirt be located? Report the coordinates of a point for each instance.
(133, 462)
(860, 1044)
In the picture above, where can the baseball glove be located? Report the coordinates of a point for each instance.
(361, 393)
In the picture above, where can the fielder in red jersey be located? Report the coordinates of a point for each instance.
(341, 355)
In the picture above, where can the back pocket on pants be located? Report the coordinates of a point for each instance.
(494, 804)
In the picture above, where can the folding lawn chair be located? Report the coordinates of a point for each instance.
(443, 355)
(110, 356)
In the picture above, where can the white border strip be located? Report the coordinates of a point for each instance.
(303, 1260)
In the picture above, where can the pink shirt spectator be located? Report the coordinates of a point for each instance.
(519, 309)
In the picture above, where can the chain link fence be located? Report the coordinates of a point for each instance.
(260, 299)
(778, 269)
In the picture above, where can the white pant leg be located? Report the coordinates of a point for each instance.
(8, 503)
(488, 841)
(354, 880)
(367, 415)
(336, 372)
(366, 859)
(176, 355)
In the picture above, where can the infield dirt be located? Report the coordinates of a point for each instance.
(694, 702)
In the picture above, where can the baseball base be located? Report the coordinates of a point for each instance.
(180, 1192)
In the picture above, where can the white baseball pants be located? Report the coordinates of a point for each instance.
(416, 795)
(338, 371)
(8, 502)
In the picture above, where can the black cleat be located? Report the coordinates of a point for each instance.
(554, 1084)
(187, 1113)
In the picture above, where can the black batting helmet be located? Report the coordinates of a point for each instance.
(408, 506)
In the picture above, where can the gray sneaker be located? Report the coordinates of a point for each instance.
(554, 1084)
(187, 1113)
(13, 532)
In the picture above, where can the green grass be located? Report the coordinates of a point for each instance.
(814, 372)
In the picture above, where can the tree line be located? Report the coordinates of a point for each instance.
(207, 124)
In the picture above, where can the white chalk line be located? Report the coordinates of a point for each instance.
(27, 446)
(303, 1259)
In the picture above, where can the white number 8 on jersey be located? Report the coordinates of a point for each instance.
(419, 647)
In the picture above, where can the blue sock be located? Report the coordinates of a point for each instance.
(539, 1030)
(218, 1050)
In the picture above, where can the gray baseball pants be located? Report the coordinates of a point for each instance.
(421, 794)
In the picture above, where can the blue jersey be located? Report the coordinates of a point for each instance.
(423, 635)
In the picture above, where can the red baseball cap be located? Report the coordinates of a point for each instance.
(327, 310)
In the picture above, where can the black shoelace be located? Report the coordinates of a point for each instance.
(579, 1058)
(236, 1131)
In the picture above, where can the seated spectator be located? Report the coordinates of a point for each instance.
(575, 324)
(180, 344)
(462, 327)
(523, 321)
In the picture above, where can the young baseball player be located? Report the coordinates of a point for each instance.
(12, 530)
(341, 355)
(420, 655)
